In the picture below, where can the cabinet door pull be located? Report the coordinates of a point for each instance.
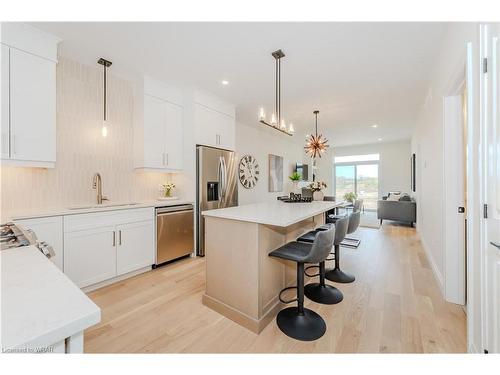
(114, 238)
(120, 237)
(167, 157)
(163, 158)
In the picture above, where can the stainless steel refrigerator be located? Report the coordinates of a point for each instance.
(216, 185)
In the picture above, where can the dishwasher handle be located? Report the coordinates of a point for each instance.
(172, 209)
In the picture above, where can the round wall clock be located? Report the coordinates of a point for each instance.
(248, 171)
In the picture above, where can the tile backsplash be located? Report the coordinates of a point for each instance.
(82, 151)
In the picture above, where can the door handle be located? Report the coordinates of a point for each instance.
(461, 210)
(497, 245)
(114, 238)
(120, 237)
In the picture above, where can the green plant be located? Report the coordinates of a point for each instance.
(295, 176)
(350, 197)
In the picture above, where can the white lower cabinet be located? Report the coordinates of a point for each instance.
(50, 230)
(90, 255)
(135, 246)
(101, 246)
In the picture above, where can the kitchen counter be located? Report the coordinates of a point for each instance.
(89, 208)
(242, 281)
(277, 213)
(41, 308)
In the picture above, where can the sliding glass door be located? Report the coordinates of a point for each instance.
(358, 174)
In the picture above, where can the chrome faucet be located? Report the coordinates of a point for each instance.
(97, 184)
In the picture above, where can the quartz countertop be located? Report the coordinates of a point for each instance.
(91, 207)
(277, 213)
(40, 305)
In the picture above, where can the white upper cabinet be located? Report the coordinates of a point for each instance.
(159, 134)
(28, 85)
(214, 121)
(4, 83)
(32, 107)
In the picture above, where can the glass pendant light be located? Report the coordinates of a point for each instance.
(105, 64)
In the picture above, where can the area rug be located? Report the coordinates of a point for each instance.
(369, 220)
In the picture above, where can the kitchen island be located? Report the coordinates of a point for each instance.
(242, 281)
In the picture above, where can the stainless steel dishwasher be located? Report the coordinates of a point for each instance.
(174, 232)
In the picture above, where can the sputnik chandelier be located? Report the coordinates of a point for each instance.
(316, 144)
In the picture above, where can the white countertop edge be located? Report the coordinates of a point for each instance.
(55, 336)
(224, 213)
(67, 211)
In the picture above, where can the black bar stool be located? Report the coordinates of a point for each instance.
(320, 292)
(299, 322)
(336, 274)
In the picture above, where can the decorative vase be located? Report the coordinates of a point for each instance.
(318, 195)
(295, 188)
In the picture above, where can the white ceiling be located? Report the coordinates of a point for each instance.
(355, 74)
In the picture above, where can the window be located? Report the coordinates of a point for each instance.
(358, 174)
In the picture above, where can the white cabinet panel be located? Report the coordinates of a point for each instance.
(163, 132)
(154, 132)
(50, 230)
(90, 255)
(174, 136)
(4, 83)
(135, 247)
(213, 128)
(32, 107)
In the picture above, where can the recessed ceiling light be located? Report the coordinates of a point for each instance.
(380, 139)
(374, 126)
(225, 83)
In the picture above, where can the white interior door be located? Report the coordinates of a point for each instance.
(454, 202)
(492, 184)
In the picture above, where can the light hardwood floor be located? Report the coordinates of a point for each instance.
(394, 305)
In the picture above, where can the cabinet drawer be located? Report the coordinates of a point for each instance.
(78, 222)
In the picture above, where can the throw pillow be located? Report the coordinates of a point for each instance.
(394, 197)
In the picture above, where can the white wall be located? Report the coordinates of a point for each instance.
(260, 142)
(427, 143)
(394, 171)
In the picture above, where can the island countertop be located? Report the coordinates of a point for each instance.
(40, 305)
(273, 213)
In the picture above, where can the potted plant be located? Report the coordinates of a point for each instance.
(295, 178)
(350, 197)
(167, 189)
(316, 187)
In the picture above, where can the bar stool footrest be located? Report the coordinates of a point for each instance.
(284, 290)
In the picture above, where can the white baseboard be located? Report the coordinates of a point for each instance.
(437, 275)
(104, 283)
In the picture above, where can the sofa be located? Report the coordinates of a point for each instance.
(404, 209)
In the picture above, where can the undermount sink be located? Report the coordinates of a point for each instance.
(103, 206)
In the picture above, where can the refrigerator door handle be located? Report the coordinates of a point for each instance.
(224, 178)
(220, 178)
